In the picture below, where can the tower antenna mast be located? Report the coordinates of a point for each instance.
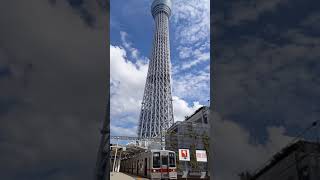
(156, 114)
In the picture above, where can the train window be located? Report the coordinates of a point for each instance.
(164, 160)
(172, 162)
(156, 159)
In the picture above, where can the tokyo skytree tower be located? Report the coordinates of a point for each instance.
(156, 114)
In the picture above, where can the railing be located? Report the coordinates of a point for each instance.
(131, 138)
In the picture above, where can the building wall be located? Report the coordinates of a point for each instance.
(191, 134)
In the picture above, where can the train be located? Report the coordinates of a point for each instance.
(153, 164)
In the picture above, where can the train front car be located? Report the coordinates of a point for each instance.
(163, 165)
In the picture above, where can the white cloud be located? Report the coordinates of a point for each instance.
(181, 108)
(199, 57)
(192, 31)
(128, 45)
(184, 52)
(127, 83)
(228, 135)
(192, 86)
(121, 131)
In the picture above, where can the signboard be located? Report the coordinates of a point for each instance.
(184, 155)
(201, 155)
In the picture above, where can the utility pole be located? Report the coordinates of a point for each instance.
(115, 157)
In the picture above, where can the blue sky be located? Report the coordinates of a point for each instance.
(131, 33)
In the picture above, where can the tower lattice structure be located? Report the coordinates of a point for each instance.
(156, 114)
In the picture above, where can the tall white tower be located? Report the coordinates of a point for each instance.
(156, 111)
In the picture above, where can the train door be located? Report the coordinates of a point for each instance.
(172, 166)
(145, 166)
(155, 166)
(164, 166)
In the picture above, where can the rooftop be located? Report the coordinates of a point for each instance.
(187, 118)
(286, 151)
(198, 110)
(163, 2)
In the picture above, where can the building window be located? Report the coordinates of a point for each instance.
(205, 120)
(199, 120)
(305, 175)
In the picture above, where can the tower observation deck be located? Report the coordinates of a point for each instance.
(156, 114)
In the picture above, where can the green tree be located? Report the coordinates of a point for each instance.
(205, 141)
(193, 159)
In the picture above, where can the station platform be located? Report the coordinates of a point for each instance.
(123, 176)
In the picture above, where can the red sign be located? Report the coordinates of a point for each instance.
(184, 155)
